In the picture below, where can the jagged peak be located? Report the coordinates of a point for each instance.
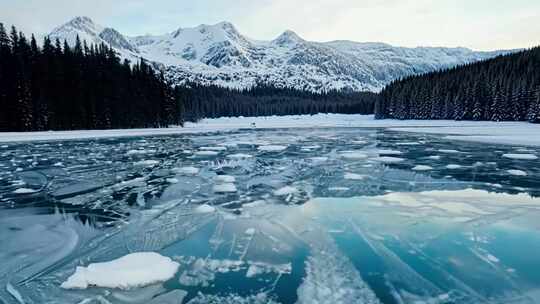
(288, 38)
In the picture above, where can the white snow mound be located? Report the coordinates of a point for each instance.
(130, 271)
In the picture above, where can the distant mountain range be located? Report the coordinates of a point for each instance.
(218, 54)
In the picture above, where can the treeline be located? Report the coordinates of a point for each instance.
(58, 87)
(506, 88)
(263, 100)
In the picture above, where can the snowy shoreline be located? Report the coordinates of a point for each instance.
(513, 133)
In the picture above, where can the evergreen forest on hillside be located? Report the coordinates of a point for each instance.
(506, 88)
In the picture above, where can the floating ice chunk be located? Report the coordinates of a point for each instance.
(388, 152)
(147, 163)
(187, 170)
(272, 148)
(224, 188)
(517, 172)
(411, 143)
(219, 148)
(449, 151)
(250, 231)
(139, 152)
(206, 153)
(285, 191)
(130, 271)
(388, 159)
(359, 142)
(492, 258)
(225, 179)
(239, 156)
(258, 268)
(172, 180)
(453, 166)
(24, 191)
(174, 297)
(354, 176)
(520, 156)
(314, 147)
(353, 155)
(338, 189)
(422, 168)
(205, 209)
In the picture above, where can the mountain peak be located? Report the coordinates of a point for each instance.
(288, 38)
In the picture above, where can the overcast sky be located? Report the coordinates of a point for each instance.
(477, 24)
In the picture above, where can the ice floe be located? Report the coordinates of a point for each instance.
(147, 163)
(239, 156)
(224, 188)
(354, 176)
(388, 159)
(271, 148)
(522, 156)
(517, 172)
(187, 170)
(130, 271)
(422, 168)
(224, 179)
(24, 191)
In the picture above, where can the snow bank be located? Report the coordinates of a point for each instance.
(517, 133)
(130, 271)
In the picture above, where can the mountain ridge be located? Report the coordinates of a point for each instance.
(219, 54)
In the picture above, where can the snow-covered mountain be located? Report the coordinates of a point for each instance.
(219, 54)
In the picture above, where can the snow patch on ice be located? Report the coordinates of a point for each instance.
(130, 271)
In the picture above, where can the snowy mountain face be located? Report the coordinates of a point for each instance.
(218, 54)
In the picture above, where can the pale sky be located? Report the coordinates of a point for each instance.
(477, 24)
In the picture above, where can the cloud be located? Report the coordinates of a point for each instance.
(479, 24)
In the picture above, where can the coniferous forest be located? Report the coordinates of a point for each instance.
(506, 88)
(57, 87)
(212, 101)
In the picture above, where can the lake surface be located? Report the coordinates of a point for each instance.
(275, 216)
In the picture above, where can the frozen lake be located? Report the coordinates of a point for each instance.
(335, 215)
